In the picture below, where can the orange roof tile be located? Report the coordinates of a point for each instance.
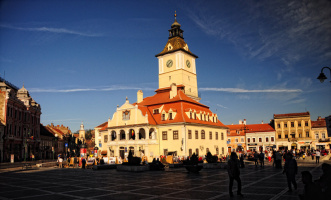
(249, 128)
(178, 104)
(102, 125)
(291, 115)
(320, 123)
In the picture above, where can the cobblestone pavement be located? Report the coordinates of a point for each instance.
(174, 183)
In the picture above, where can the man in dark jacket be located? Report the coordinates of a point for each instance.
(291, 169)
(234, 172)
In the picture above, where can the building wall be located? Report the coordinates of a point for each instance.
(320, 138)
(295, 130)
(266, 140)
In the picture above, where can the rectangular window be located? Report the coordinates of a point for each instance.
(196, 134)
(175, 135)
(105, 139)
(197, 151)
(299, 124)
(279, 136)
(292, 124)
(307, 133)
(189, 134)
(156, 111)
(306, 123)
(248, 140)
(195, 115)
(217, 151)
(229, 140)
(222, 136)
(272, 139)
(170, 116)
(286, 135)
(190, 152)
(253, 139)
(202, 134)
(190, 115)
(163, 117)
(316, 136)
(285, 125)
(222, 150)
(242, 140)
(266, 139)
(278, 125)
(210, 135)
(164, 135)
(165, 151)
(300, 135)
(236, 140)
(216, 135)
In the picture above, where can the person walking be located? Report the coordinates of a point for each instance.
(256, 158)
(261, 158)
(318, 155)
(291, 169)
(234, 173)
(83, 162)
(60, 160)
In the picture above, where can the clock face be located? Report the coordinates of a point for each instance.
(169, 63)
(188, 64)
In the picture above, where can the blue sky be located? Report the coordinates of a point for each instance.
(80, 59)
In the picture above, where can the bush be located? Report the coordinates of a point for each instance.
(211, 159)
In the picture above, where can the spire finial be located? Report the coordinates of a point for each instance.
(175, 15)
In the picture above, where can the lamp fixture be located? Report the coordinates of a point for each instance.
(322, 76)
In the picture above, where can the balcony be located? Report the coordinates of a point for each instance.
(324, 140)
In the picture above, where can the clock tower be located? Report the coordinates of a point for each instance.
(177, 63)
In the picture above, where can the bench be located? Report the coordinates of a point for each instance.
(26, 166)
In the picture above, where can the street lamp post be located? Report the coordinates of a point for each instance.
(322, 76)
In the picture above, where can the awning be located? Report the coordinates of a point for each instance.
(104, 152)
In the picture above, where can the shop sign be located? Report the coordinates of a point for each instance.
(252, 144)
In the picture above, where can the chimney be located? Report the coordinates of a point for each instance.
(173, 90)
(240, 122)
(245, 121)
(262, 122)
(140, 96)
(319, 118)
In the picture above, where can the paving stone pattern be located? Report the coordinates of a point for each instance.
(173, 183)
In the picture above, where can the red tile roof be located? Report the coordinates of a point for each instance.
(249, 128)
(320, 123)
(179, 104)
(291, 115)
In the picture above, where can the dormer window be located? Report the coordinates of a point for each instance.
(195, 115)
(163, 117)
(190, 115)
(170, 116)
(156, 111)
(169, 47)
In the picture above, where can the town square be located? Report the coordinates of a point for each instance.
(107, 100)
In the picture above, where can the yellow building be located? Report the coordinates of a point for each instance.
(320, 135)
(293, 130)
(170, 121)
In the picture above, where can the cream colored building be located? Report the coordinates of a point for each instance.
(170, 121)
(293, 130)
(320, 136)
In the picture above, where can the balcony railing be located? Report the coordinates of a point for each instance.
(324, 140)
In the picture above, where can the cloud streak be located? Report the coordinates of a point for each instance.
(239, 90)
(51, 30)
(113, 88)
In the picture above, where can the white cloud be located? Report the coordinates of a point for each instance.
(51, 30)
(219, 105)
(112, 88)
(239, 90)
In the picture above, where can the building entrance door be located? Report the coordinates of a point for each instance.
(122, 152)
(229, 150)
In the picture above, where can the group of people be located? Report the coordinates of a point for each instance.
(75, 161)
(320, 189)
